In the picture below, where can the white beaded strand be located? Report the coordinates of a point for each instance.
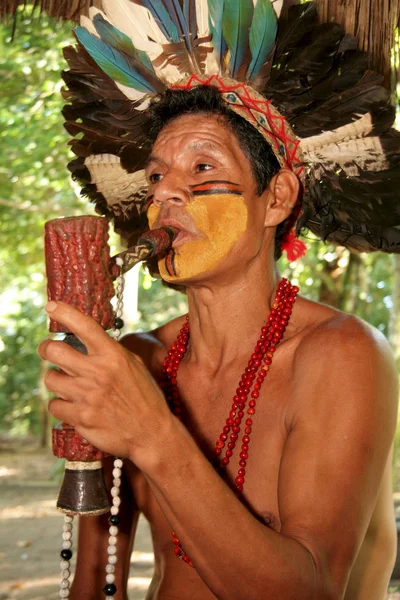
(117, 472)
(65, 564)
(115, 493)
(113, 529)
(120, 302)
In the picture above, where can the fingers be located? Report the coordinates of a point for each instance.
(64, 386)
(85, 328)
(66, 358)
(62, 410)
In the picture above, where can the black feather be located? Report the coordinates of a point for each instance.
(293, 26)
(357, 212)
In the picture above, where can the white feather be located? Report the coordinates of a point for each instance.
(87, 23)
(116, 185)
(137, 23)
(202, 18)
(364, 153)
(277, 4)
(346, 148)
(93, 11)
(130, 93)
(357, 129)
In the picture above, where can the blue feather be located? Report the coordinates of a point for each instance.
(176, 14)
(118, 40)
(115, 64)
(262, 36)
(162, 18)
(215, 12)
(236, 22)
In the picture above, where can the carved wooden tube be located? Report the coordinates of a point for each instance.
(80, 272)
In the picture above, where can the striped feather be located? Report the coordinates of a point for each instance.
(262, 36)
(236, 22)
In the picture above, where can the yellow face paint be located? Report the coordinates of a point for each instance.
(220, 219)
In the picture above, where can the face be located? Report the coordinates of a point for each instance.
(200, 182)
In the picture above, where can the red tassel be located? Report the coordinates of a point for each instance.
(293, 247)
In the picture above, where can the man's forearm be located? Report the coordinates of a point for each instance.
(235, 555)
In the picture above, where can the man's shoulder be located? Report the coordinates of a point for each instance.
(342, 356)
(340, 334)
(152, 346)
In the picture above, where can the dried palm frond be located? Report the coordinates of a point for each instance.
(373, 22)
(67, 10)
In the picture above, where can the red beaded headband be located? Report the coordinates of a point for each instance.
(260, 113)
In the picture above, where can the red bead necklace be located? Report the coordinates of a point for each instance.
(257, 369)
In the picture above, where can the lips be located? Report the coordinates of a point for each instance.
(184, 234)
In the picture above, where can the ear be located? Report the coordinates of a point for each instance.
(281, 197)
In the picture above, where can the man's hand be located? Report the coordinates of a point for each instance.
(108, 395)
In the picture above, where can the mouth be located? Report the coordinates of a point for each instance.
(184, 234)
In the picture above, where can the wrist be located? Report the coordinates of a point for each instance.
(155, 457)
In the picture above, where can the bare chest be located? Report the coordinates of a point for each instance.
(252, 443)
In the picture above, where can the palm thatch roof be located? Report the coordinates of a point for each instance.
(374, 22)
(68, 10)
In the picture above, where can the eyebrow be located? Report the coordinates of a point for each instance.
(205, 145)
(152, 158)
(193, 146)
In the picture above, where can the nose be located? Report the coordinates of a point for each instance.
(171, 189)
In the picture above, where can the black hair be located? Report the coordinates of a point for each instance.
(206, 99)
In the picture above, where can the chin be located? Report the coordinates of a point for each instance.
(195, 273)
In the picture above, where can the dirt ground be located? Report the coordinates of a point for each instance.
(30, 530)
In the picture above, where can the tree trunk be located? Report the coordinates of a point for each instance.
(394, 325)
(373, 22)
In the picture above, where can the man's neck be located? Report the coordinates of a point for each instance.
(225, 321)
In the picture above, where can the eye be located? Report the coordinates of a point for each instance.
(155, 177)
(203, 167)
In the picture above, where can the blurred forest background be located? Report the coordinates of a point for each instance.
(35, 187)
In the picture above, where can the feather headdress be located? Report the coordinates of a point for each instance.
(305, 86)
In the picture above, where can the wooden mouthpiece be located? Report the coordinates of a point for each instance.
(152, 243)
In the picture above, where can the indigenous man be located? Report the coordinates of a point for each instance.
(272, 470)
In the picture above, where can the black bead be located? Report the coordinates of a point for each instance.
(66, 554)
(109, 589)
(118, 323)
(114, 520)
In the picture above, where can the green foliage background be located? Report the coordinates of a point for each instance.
(35, 186)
